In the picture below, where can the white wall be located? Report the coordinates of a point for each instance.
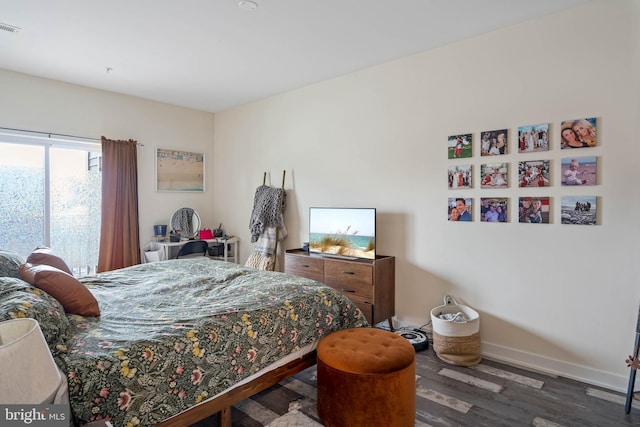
(36, 104)
(556, 297)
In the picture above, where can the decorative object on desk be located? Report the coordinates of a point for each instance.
(29, 374)
(178, 170)
(218, 232)
(186, 222)
(160, 230)
(206, 233)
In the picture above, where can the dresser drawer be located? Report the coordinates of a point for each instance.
(366, 309)
(304, 266)
(352, 279)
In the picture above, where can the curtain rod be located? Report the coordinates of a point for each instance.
(50, 135)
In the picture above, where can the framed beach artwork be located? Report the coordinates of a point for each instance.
(579, 210)
(494, 175)
(579, 170)
(460, 177)
(494, 142)
(533, 210)
(533, 138)
(578, 133)
(460, 146)
(459, 209)
(494, 209)
(179, 170)
(533, 173)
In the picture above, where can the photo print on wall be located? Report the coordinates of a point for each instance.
(579, 210)
(460, 146)
(533, 138)
(494, 142)
(494, 209)
(579, 170)
(533, 173)
(459, 209)
(533, 210)
(578, 133)
(460, 177)
(494, 175)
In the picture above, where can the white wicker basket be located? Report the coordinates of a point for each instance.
(456, 339)
(466, 321)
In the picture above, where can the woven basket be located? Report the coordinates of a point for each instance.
(460, 351)
(457, 340)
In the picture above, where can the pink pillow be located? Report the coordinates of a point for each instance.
(73, 295)
(47, 257)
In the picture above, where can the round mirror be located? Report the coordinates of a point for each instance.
(185, 221)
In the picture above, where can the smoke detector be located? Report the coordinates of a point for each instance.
(9, 28)
(248, 5)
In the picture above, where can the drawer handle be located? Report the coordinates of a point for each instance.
(347, 272)
(306, 265)
(348, 290)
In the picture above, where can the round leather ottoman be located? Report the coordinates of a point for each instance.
(366, 377)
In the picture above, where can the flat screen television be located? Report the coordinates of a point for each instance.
(343, 232)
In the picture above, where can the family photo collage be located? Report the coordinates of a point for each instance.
(578, 168)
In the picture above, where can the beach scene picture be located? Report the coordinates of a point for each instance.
(343, 232)
(578, 170)
(460, 177)
(533, 138)
(494, 175)
(580, 210)
(178, 170)
(460, 146)
(533, 173)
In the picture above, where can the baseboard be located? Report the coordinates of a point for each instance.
(535, 362)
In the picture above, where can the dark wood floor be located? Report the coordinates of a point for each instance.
(489, 394)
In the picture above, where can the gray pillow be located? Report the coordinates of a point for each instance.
(10, 264)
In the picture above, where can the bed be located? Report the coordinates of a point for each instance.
(179, 340)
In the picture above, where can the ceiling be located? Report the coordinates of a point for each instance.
(213, 55)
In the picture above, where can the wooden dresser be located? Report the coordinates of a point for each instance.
(368, 283)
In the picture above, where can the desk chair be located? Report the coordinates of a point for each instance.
(193, 247)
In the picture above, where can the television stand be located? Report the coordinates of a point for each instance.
(369, 283)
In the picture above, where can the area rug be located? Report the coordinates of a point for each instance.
(294, 418)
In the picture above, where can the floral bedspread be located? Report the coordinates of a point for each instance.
(174, 333)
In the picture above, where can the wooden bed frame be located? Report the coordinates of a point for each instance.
(222, 404)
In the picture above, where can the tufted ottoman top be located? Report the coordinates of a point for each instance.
(365, 351)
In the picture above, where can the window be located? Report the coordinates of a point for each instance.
(50, 193)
